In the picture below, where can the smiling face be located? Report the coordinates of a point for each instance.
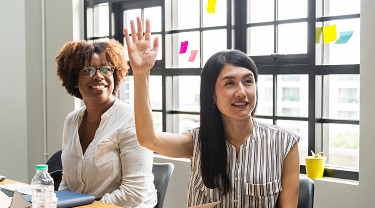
(235, 92)
(98, 88)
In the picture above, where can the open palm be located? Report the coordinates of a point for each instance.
(142, 57)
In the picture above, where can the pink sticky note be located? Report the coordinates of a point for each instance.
(193, 54)
(183, 48)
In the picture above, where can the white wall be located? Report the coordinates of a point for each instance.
(34, 105)
(13, 123)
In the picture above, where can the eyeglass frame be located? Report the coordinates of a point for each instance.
(92, 74)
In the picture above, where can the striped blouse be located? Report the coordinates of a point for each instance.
(255, 176)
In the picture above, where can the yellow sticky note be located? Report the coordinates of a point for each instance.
(211, 6)
(329, 34)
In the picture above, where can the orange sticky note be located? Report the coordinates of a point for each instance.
(211, 6)
(183, 48)
(329, 34)
(193, 54)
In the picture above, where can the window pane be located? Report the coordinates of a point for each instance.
(341, 96)
(345, 53)
(175, 58)
(101, 20)
(219, 18)
(158, 121)
(189, 87)
(260, 40)
(343, 150)
(186, 14)
(265, 95)
(212, 45)
(291, 9)
(186, 122)
(341, 7)
(267, 121)
(292, 38)
(300, 128)
(154, 15)
(155, 89)
(292, 95)
(131, 15)
(260, 10)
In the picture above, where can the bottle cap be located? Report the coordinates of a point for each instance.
(41, 167)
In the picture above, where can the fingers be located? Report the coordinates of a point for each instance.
(126, 35)
(140, 29)
(155, 45)
(148, 30)
(132, 27)
(138, 34)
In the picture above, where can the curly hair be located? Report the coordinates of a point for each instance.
(75, 55)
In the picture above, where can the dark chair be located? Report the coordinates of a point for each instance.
(162, 174)
(306, 193)
(55, 168)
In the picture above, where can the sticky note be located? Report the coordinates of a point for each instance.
(344, 37)
(329, 33)
(318, 34)
(211, 6)
(193, 54)
(183, 48)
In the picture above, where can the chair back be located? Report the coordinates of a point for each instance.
(306, 193)
(55, 168)
(162, 174)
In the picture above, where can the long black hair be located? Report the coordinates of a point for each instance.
(212, 141)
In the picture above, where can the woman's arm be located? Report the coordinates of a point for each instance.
(288, 197)
(142, 58)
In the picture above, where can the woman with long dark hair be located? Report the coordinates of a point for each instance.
(235, 159)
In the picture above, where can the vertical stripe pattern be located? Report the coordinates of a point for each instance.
(255, 175)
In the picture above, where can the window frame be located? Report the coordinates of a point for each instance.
(273, 64)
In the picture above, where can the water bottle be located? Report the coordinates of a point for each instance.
(43, 195)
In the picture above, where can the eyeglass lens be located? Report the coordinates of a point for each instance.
(104, 70)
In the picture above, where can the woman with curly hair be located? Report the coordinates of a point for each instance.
(100, 152)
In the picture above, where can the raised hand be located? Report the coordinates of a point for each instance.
(142, 57)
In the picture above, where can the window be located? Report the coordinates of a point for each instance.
(307, 53)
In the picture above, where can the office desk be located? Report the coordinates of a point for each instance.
(95, 204)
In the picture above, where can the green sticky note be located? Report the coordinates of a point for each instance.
(318, 34)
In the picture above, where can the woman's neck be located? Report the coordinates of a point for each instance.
(94, 111)
(238, 131)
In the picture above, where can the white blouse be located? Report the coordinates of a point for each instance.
(114, 168)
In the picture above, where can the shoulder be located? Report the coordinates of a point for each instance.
(122, 105)
(194, 133)
(276, 131)
(122, 111)
(75, 114)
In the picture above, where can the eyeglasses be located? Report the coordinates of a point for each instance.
(104, 70)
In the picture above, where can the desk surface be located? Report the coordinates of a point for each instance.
(95, 204)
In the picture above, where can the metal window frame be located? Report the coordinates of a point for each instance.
(274, 64)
